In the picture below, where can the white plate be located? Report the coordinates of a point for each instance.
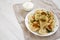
(27, 24)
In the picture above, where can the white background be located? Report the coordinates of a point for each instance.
(9, 27)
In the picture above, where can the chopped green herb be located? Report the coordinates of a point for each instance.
(48, 30)
(48, 14)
